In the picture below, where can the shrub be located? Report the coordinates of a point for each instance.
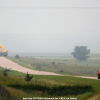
(5, 73)
(53, 63)
(17, 56)
(28, 77)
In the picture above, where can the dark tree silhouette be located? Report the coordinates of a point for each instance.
(17, 56)
(28, 77)
(5, 73)
(53, 62)
(81, 53)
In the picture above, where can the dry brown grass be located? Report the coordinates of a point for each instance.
(48, 81)
(17, 93)
(95, 97)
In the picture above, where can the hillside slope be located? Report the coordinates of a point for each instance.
(6, 63)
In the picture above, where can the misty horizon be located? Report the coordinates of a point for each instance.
(52, 26)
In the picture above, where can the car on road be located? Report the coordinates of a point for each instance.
(98, 74)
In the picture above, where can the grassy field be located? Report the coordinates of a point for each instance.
(94, 55)
(61, 65)
(80, 88)
(45, 85)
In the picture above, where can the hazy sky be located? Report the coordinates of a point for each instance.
(47, 26)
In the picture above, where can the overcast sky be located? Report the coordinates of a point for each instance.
(49, 26)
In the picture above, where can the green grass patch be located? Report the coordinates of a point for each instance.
(85, 96)
(67, 86)
(63, 66)
(49, 86)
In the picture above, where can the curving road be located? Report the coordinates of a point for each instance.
(6, 63)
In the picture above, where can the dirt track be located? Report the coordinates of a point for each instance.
(6, 63)
(87, 77)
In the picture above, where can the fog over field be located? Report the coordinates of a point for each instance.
(49, 26)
